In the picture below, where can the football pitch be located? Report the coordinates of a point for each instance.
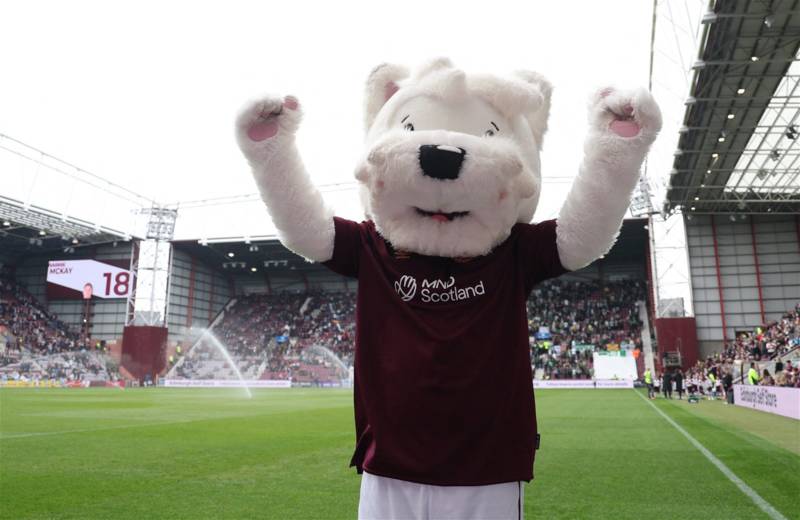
(191, 453)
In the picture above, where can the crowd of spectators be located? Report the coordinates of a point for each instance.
(715, 376)
(26, 324)
(567, 364)
(752, 358)
(581, 317)
(36, 345)
(63, 366)
(588, 312)
(767, 342)
(277, 329)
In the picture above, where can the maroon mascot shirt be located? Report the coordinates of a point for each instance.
(443, 384)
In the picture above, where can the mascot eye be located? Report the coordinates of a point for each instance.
(489, 133)
(409, 127)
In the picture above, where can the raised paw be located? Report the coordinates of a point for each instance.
(625, 113)
(261, 121)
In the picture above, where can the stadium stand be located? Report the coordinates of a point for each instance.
(36, 345)
(600, 315)
(774, 348)
(26, 324)
(308, 337)
(769, 341)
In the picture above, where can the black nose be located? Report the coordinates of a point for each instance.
(441, 161)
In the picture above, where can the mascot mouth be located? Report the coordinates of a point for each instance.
(441, 216)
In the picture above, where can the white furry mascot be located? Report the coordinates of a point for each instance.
(450, 179)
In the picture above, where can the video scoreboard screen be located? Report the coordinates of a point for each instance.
(84, 279)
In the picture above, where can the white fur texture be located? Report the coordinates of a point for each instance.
(500, 180)
(592, 215)
(304, 222)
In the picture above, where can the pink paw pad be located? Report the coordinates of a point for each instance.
(290, 102)
(625, 128)
(263, 130)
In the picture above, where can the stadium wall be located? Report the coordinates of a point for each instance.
(109, 314)
(197, 293)
(744, 273)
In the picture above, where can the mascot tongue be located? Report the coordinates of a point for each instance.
(440, 217)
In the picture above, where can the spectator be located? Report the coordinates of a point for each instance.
(679, 383)
(752, 375)
(727, 386)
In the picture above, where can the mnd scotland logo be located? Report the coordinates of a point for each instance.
(436, 291)
(406, 287)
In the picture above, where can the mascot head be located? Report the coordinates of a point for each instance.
(452, 160)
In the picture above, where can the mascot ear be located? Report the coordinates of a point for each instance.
(537, 119)
(382, 84)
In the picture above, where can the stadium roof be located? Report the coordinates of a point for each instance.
(738, 150)
(241, 257)
(32, 230)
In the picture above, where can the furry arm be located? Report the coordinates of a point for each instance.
(623, 125)
(265, 130)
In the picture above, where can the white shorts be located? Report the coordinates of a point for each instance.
(385, 498)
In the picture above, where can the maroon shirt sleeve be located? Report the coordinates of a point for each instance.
(538, 253)
(347, 243)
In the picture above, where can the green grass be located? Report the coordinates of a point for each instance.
(174, 453)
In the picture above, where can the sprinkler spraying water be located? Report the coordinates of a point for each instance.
(209, 337)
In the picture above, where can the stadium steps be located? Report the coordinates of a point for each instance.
(647, 345)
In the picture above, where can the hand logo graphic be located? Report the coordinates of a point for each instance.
(406, 287)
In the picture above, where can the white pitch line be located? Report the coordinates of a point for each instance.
(744, 488)
(87, 430)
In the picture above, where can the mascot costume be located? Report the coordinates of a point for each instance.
(445, 261)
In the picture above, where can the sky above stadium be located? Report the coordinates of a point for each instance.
(145, 93)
